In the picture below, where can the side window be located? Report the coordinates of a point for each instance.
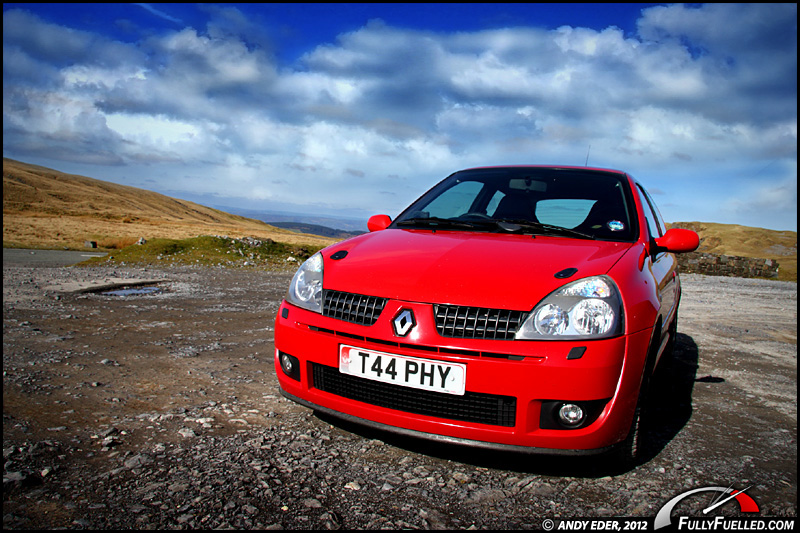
(654, 222)
(662, 228)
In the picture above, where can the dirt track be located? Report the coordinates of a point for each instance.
(162, 411)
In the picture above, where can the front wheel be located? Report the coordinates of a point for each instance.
(669, 351)
(629, 452)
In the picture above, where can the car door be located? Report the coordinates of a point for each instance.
(663, 265)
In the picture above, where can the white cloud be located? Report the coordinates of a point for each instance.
(152, 129)
(699, 92)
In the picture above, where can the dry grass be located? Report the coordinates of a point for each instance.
(44, 208)
(744, 241)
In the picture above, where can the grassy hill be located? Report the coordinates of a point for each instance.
(45, 208)
(745, 241)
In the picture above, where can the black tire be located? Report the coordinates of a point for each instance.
(629, 452)
(669, 350)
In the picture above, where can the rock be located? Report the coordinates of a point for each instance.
(312, 503)
(111, 441)
(20, 479)
(137, 461)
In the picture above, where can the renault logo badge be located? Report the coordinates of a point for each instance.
(404, 322)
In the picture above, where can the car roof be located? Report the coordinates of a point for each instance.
(552, 167)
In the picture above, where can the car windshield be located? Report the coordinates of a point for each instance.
(578, 203)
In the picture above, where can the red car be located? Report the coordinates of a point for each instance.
(521, 308)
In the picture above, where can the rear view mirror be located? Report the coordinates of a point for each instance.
(527, 184)
(378, 222)
(678, 241)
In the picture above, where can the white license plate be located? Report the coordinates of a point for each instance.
(425, 374)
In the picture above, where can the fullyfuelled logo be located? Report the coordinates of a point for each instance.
(724, 495)
(403, 322)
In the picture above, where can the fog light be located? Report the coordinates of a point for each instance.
(286, 363)
(570, 414)
(290, 365)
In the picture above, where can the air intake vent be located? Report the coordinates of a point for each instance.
(355, 308)
(477, 407)
(477, 322)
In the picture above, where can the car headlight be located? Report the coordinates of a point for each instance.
(306, 288)
(589, 308)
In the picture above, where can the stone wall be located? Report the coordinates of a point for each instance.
(727, 265)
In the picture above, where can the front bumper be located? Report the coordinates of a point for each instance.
(510, 385)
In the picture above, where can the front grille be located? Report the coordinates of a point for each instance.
(355, 308)
(477, 322)
(477, 407)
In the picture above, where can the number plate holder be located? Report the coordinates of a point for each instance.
(414, 372)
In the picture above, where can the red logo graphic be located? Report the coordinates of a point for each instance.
(746, 503)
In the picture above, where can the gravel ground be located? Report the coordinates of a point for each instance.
(162, 411)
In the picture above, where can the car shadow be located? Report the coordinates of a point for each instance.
(668, 409)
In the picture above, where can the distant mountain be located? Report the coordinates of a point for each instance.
(345, 225)
(315, 229)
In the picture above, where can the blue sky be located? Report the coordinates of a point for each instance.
(356, 109)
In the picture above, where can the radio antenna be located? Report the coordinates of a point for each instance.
(586, 164)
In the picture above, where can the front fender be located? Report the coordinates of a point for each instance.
(642, 306)
(639, 290)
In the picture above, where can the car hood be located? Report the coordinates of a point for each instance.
(464, 268)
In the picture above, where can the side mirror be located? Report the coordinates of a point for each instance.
(679, 241)
(378, 222)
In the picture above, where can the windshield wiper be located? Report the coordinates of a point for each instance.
(506, 225)
(444, 223)
(526, 226)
